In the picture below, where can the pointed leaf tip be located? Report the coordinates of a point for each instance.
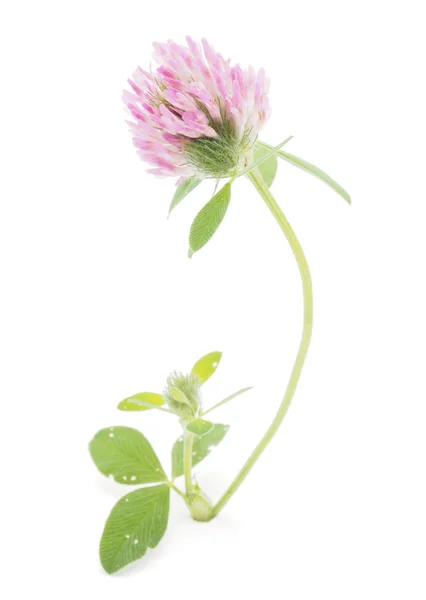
(228, 399)
(183, 189)
(312, 169)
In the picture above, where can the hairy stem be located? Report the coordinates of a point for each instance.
(277, 213)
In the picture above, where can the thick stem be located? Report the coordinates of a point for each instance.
(276, 211)
(188, 442)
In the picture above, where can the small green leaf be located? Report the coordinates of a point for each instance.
(137, 522)
(209, 218)
(268, 168)
(201, 448)
(228, 399)
(142, 401)
(199, 427)
(206, 366)
(126, 455)
(185, 188)
(179, 396)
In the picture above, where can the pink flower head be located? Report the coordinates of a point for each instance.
(196, 115)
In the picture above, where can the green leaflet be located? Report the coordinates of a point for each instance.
(149, 400)
(261, 159)
(199, 427)
(137, 522)
(267, 168)
(209, 218)
(185, 188)
(126, 454)
(201, 448)
(313, 170)
(207, 365)
(227, 399)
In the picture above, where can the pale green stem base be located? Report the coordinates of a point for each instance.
(271, 203)
(198, 503)
(188, 442)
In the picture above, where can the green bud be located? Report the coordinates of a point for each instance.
(182, 394)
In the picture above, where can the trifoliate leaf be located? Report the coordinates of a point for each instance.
(185, 188)
(206, 366)
(126, 455)
(142, 401)
(209, 218)
(137, 522)
(227, 399)
(199, 427)
(201, 448)
(267, 168)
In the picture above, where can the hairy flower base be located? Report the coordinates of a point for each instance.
(182, 394)
(196, 114)
(217, 157)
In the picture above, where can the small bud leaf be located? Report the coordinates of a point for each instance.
(179, 396)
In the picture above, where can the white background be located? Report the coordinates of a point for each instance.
(100, 301)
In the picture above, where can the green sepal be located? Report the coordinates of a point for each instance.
(179, 396)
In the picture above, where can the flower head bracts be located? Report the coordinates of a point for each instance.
(196, 114)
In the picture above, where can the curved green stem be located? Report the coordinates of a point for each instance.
(276, 211)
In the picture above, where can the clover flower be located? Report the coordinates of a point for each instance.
(196, 117)
(196, 114)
